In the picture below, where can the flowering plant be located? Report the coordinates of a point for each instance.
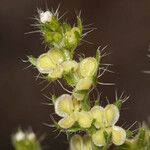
(88, 126)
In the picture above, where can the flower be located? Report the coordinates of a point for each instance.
(84, 84)
(56, 56)
(19, 136)
(88, 67)
(44, 63)
(105, 120)
(98, 115)
(69, 65)
(45, 16)
(67, 122)
(84, 119)
(80, 143)
(76, 142)
(64, 105)
(82, 87)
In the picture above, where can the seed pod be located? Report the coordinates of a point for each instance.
(98, 138)
(118, 135)
(98, 115)
(70, 65)
(76, 142)
(64, 105)
(56, 73)
(85, 119)
(67, 122)
(45, 64)
(84, 84)
(112, 114)
(88, 67)
(56, 56)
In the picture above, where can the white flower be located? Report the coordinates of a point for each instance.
(19, 136)
(45, 16)
(31, 136)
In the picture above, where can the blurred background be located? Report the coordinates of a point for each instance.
(123, 25)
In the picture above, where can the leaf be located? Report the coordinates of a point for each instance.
(79, 23)
(141, 138)
(118, 103)
(98, 55)
(32, 60)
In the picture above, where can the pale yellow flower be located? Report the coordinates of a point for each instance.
(98, 115)
(45, 64)
(64, 105)
(85, 119)
(76, 142)
(118, 135)
(69, 65)
(98, 138)
(56, 56)
(56, 73)
(112, 114)
(67, 122)
(84, 84)
(88, 67)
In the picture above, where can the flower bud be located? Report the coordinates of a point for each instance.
(71, 39)
(45, 16)
(88, 67)
(64, 105)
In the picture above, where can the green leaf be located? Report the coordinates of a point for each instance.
(118, 103)
(32, 60)
(141, 138)
(79, 23)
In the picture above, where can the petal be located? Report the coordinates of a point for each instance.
(98, 138)
(76, 142)
(98, 115)
(112, 114)
(85, 119)
(84, 84)
(44, 64)
(118, 135)
(56, 73)
(64, 105)
(56, 56)
(88, 67)
(45, 16)
(70, 65)
(67, 122)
